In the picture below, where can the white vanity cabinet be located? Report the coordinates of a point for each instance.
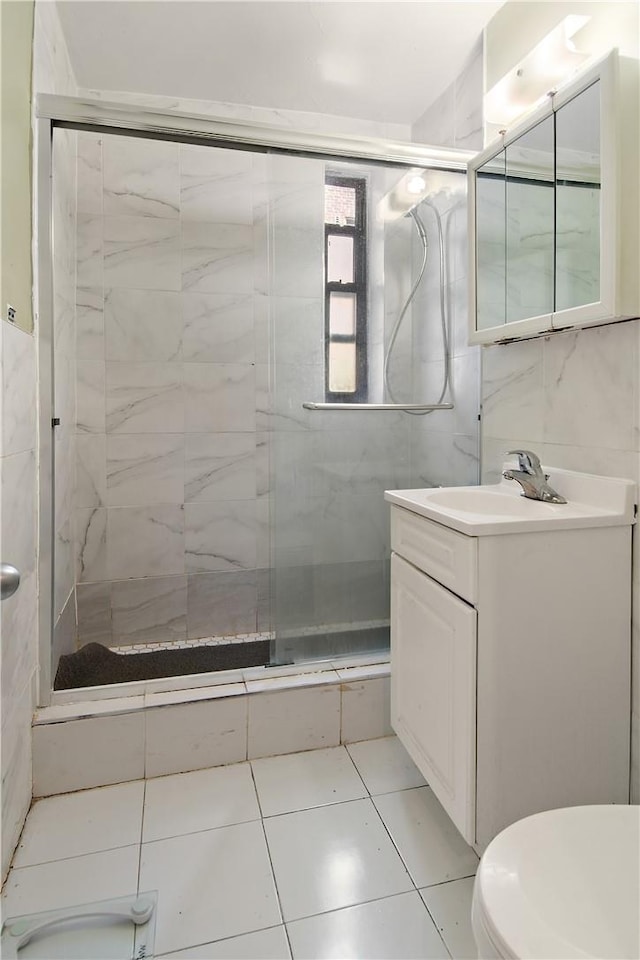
(510, 666)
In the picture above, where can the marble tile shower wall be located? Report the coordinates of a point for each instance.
(172, 495)
(199, 336)
(445, 445)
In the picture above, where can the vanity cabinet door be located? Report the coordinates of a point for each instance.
(433, 687)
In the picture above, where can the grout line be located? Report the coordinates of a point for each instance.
(435, 923)
(193, 833)
(360, 903)
(397, 849)
(144, 805)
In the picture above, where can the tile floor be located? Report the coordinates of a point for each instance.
(334, 853)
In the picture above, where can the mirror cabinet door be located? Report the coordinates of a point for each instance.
(578, 200)
(490, 243)
(530, 223)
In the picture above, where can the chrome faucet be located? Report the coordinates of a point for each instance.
(532, 478)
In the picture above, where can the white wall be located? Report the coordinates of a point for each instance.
(574, 397)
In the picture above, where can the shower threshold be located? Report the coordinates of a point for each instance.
(299, 651)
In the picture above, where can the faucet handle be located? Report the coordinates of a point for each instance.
(528, 461)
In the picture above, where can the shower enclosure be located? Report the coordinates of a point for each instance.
(243, 334)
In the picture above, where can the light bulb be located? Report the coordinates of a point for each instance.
(416, 185)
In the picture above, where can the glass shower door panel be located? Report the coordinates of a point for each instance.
(330, 528)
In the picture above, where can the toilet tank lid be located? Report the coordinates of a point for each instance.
(564, 883)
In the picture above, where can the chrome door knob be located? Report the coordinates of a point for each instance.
(9, 580)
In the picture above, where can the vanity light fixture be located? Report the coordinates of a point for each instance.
(549, 63)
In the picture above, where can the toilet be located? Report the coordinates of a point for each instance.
(561, 884)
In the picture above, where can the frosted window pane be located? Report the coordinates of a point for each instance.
(342, 314)
(340, 259)
(339, 205)
(342, 367)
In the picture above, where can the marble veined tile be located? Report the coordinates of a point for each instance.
(297, 262)
(144, 398)
(218, 328)
(89, 172)
(220, 466)
(91, 544)
(91, 478)
(142, 325)
(145, 469)
(18, 390)
(222, 603)
(89, 323)
(217, 257)
(512, 390)
(141, 252)
(220, 536)
(219, 397)
(141, 177)
(298, 325)
(145, 541)
(154, 608)
(215, 185)
(589, 378)
(94, 613)
(90, 396)
(89, 250)
(468, 107)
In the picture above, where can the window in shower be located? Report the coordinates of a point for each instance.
(345, 276)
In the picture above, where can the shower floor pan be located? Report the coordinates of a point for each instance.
(97, 665)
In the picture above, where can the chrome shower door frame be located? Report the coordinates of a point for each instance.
(123, 119)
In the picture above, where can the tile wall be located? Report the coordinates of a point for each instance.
(19, 614)
(574, 399)
(172, 341)
(52, 73)
(445, 445)
(199, 336)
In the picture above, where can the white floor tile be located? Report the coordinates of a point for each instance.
(212, 885)
(385, 765)
(396, 928)
(450, 907)
(188, 802)
(298, 781)
(430, 845)
(333, 857)
(66, 883)
(75, 824)
(269, 944)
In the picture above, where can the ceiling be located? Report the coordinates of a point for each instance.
(380, 61)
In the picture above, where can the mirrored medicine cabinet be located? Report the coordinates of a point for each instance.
(554, 212)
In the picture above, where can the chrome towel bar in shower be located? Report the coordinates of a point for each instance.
(378, 406)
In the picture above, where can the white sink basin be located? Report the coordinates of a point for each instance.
(487, 501)
(499, 509)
